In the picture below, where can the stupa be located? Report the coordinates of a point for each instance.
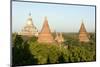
(29, 29)
(59, 38)
(45, 36)
(83, 35)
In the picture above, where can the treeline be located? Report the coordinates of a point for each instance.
(30, 52)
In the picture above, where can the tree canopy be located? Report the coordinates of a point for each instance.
(29, 52)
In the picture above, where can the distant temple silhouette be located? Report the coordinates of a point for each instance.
(29, 29)
(83, 35)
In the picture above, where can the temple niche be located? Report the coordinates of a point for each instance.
(29, 29)
(45, 35)
(83, 35)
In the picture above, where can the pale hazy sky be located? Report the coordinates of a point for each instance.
(62, 18)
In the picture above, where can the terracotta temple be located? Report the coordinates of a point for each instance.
(45, 35)
(83, 35)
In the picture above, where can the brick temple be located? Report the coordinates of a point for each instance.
(45, 36)
(83, 35)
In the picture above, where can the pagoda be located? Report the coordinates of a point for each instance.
(59, 38)
(83, 35)
(45, 36)
(29, 29)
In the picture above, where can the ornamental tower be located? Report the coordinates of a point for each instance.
(29, 29)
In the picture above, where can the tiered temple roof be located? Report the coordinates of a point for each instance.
(29, 29)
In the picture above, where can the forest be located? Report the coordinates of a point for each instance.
(27, 51)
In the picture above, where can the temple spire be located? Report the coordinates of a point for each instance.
(83, 35)
(45, 35)
(82, 28)
(29, 14)
(45, 17)
(59, 38)
(29, 29)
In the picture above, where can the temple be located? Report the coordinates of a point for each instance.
(83, 35)
(29, 29)
(45, 36)
(59, 38)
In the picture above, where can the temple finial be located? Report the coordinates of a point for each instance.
(45, 17)
(30, 17)
(29, 14)
(82, 21)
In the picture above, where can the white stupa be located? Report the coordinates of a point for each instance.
(29, 29)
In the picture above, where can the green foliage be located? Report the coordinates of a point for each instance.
(33, 39)
(64, 56)
(18, 41)
(81, 53)
(20, 52)
(93, 36)
(40, 52)
(13, 37)
(44, 52)
(53, 53)
(28, 52)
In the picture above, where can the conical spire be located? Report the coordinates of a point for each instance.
(82, 28)
(83, 35)
(45, 34)
(45, 28)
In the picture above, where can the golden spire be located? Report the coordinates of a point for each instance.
(29, 21)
